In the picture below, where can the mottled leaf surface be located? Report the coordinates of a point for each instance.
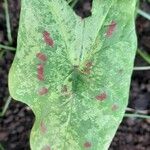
(74, 73)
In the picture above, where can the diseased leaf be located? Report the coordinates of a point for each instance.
(74, 73)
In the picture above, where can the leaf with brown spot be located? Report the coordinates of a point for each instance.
(52, 35)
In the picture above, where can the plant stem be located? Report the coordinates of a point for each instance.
(137, 116)
(1, 54)
(144, 55)
(1, 147)
(9, 36)
(7, 47)
(74, 3)
(141, 68)
(6, 106)
(69, 1)
(131, 110)
(144, 14)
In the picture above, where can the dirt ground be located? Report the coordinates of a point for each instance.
(16, 124)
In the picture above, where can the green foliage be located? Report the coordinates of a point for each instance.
(144, 55)
(74, 73)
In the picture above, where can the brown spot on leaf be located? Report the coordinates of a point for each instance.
(40, 70)
(43, 91)
(86, 70)
(48, 40)
(114, 107)
(101, 96)
(43, 128)
(111, 29)
(87, 144)
(64, 89)
(46, 148)
(89, 64)
(41, 56)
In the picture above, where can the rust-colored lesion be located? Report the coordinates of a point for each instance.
(64, 89)
(40, 72)
(87, 68)
(114, 107)
(87, 145)
(46, 147)
(43, 128)
(48, 39)
(111, 29)
(101, 96)
(41, 56)
(43, 91)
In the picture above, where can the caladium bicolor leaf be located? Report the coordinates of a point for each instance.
(74, 73)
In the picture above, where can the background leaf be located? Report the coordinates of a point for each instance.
(74, 73)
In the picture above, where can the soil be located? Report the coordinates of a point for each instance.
(16, 124)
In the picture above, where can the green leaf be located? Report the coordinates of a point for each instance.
(74, 73)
